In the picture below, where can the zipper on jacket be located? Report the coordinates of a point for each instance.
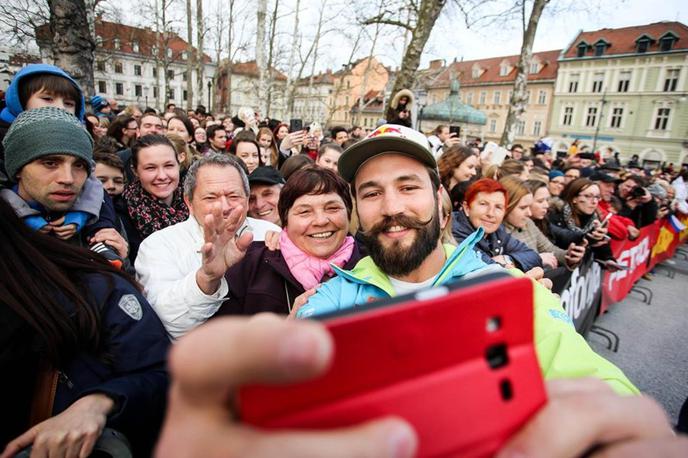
(64, 379)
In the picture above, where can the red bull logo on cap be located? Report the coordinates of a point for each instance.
(386, 130)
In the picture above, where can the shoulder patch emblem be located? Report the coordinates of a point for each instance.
(131, 306)
(559, 315)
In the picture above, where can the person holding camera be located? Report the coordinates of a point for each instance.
(637, 202)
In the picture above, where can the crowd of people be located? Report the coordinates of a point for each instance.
(126, 229)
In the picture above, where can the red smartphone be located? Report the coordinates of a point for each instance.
(457, 362)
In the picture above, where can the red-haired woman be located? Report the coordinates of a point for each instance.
(484, 206)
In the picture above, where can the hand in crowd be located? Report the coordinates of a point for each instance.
(662, 212)
(548, 259)
(272, 239)
(60, 231)
(538, 274)
(584, 417)
(575, 254)
(294, 139)
(452, 140)
(112, 238)
(72, 433)
(206, 371)
(500, 259)
(598, 234)
(633, 232)
(221, 249)
(300, 301)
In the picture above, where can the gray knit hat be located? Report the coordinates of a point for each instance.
(43, 132)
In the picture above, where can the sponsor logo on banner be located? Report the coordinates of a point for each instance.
(581, 293)
(664, 241)
(632, 258)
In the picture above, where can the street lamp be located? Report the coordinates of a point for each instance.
(145, 93)
(597, 128)
(210, 85)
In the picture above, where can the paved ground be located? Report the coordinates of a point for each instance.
(653, 350)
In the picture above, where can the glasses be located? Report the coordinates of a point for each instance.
(591, 196)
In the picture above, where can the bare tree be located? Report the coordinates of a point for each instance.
(271, 57)
(519, 96)
(261, 61)
(200, 58)
(422, 15)
(366, 73)
(190, 55)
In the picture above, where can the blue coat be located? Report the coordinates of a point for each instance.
(136, 342)
(498, 243)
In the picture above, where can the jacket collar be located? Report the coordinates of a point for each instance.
(367, 272)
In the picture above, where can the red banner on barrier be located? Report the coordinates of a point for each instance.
(634, 254)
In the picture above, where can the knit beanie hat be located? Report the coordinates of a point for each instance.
(555, 173)
(43, 132)
(98, 103)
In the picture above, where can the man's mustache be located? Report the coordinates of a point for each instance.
(397, 220)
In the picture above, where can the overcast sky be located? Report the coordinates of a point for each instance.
(450, 38)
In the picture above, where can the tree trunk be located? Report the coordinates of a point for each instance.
(428, 12)
(366, 73)
(291, 80)
(73, 45)
(519, 96)
(230, 56)
(190, 56)
(165, 58)
(261, 14)
(270, 85)
(200, 61)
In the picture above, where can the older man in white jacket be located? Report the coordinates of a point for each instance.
(182, 267)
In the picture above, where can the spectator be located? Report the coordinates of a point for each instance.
(49, 176)
(266, 184)
(268, 148)
(442, 138)
(83, 330)
(217, 139)
(638, 204)
(182, 267)
(295, 163)
(484, 206)
(315, 207)
(280, 132)
(457, 165)
(124, 130)
(246, 148)
(110, 172)
(570, 174)
(328, 156)
(339, 135)
(556, 183)
(134, 111)
(516, 151)
(154, 201)
(201, 141)
(619, 227)
(680, 185)
(101, 108)
(519, 223)
(357, 133)
(150, 124)
(95, 127)
(508, 167)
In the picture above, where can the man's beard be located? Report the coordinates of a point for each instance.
(393, 259)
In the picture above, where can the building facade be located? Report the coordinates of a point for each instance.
(312, 97)
(486, 85)
(625, 89)
(242, 89)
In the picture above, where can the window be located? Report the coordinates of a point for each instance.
(643, 44)
(573, 82)
(534, 67)
(582, 48)
(537, 127)
(155, 92)
(137, 70)
(99, 41)
(662, 119)
(135, 46)
(568, 116)
(154, 50)
(469, 98)
(542, 97)
(617, 115)
(528, 95)
(483, 95)
(497, 97)
(100, 65)
(503, 70)
(591, 118)
(624, 80)
(169, 53)
(155, 72)
(597, 81)
(171, 94)
(185, 55)
(520, 127)
(476, 72)
(170, 74)
(185, 95)
(119, 88)
(671, 80)
(102, 87)
(493, 125)
(138, 90)
(116, 44)
(600, 47)
(118, 67)
(666, 43)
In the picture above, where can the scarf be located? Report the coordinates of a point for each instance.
(309, 270)
(149, 214)
(571, 224)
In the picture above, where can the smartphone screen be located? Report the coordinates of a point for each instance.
(295, 125)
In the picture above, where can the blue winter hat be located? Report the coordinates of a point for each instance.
(555, 173)
(98, 103)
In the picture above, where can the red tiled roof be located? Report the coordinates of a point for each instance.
(22, 59)
(463, 71)
(146, 39)
(320, 78)
(250, 68)
(623, 40)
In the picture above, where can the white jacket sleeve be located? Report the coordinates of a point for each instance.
(681, 195)
(167, 272)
